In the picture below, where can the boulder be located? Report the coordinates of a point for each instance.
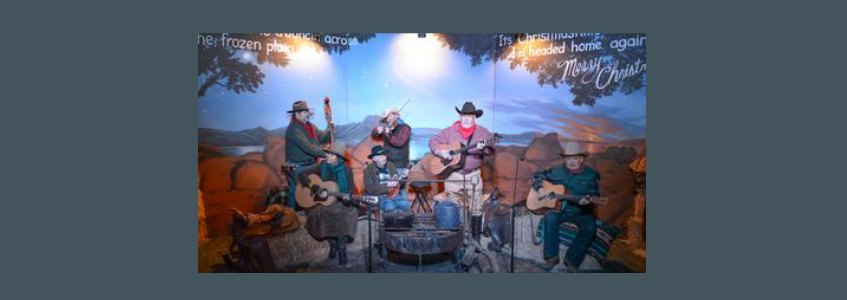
(544, 151)
(218, 204)
(216, 173)
(274, 154)
(254, 156)
(253, 175)
(205, 151)
(202, 231)
(358, 157)
(504, 164)
(299, 247)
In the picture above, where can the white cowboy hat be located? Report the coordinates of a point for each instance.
(574, 149)
(389, 111)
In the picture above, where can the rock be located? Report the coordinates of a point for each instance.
(202, 231)
(218, 203)
(254, 156)
(358, 160)
(274, 154)
(544, 151)
(616, 183)
(639, 165)
(298, 247)
(504, 164)
(516, 150)
(426, 161)
(253, 175)
(216, 173)
(205, 151)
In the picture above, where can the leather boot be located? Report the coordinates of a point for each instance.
(333, 248)
(342, 251)
(551, 262)
(476, 227)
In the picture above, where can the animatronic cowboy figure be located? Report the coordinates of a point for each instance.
(381, 177)
(396, 134)
(302, 144)
(580, 180)
(468, 132)
(335, 223)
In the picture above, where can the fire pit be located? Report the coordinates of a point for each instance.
(422, 239)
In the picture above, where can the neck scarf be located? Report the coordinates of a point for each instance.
(465, 132)
(308, 126)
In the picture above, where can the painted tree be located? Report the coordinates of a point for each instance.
(223, 64)
(602, 56)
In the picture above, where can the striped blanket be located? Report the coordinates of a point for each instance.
(606, 234)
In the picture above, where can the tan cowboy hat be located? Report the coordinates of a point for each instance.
(574, 149)
(299, 105)
(337, 148)
(389, 111)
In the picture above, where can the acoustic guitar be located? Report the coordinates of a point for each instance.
(305, 198)
(550, 196)
(458, 152)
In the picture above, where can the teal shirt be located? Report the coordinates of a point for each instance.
(585, 183)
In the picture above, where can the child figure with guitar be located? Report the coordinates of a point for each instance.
(326, 182)
(460, 149)
(567, 193)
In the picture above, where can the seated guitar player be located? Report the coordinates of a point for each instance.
(335, 223)
(380, 178)
(579, 180)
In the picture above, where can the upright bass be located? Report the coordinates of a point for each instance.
(330, 125)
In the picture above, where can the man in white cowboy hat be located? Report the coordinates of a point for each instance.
(465, 131)
(302, 143)
(335, 223)
(579, 180)
(396, 135)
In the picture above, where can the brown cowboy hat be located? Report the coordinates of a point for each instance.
(299, 105)
(469, 109)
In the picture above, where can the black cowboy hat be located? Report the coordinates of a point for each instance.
(377, 150)
(469, 109)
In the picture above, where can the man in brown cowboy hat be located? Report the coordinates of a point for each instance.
(335, 223)
(468, 132)
(578, 180)
(302, 143)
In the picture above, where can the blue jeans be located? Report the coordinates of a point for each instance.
(292, 184)
(587, 224)
(400, 201)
